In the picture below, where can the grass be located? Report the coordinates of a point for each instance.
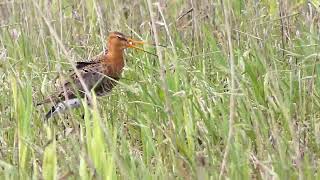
(168, 118)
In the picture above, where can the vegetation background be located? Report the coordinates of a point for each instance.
(234, 95)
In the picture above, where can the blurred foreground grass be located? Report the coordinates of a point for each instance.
(127, 134)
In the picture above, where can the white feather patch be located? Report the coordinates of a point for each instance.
(63, 106)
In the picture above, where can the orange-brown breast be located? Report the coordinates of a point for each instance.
(113, 64)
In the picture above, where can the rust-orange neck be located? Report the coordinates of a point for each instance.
(114, 57)
(114, 62)
(114, 54)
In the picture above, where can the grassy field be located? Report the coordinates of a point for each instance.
(234, 95)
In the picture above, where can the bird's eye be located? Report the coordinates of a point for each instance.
(121, 38)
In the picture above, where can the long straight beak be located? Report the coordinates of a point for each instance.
(134, 44)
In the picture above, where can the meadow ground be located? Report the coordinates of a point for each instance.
(235, 93)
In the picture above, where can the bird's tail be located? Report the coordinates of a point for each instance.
(50, 113)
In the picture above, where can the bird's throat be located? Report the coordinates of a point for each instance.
(115, 62)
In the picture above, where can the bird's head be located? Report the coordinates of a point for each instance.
(118, 42)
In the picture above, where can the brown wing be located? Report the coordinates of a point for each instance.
(96, 59)
(82, 64)
(93, 78)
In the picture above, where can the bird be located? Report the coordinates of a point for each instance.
(100, 75)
